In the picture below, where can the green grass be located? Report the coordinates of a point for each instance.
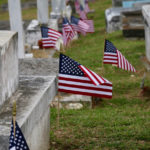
(121, 123)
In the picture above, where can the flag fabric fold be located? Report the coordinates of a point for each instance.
(91, 25)
(17, 140)
(74, 78)
(68, 32)
(77, 6)
(79, 26)
(82, 13)
(87, 9)
(114, 56)
(49, 37)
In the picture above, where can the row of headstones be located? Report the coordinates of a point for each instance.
(58, 9)
(126, 15)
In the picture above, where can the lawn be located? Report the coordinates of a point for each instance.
(121, 123)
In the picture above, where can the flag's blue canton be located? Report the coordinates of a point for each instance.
(65, 21)
(109, 47)
(69, 66)
(74, 20)
(19, 141)
(81, 8)
(44, 31)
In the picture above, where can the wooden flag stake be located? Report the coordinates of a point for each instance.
(58, 110)
(103, 54)
(92, 102)
(14, 117)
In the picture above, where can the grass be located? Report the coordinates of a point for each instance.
(121, 123)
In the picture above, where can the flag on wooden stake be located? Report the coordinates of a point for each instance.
(17, 140)
(77, 79)
(49, 37)
(114, 56)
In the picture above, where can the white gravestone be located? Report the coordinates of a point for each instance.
(8, 64)
(16, 24)
(56, 12)
(146, 14)
(42, 10)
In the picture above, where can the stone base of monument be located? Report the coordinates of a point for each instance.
(33, 33)
(71, 101)
(132, 23)
(33, 112)
(146, 15)
(113, 19)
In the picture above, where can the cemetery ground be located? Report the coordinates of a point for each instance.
(121, 123)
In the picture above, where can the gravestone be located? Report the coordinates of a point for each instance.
(16, 24)
(56, 11)
(35, 91)
(116, 3)
(132, 23)
(113, 19)
(132, 20)
(134, 3)
(146, 15)
(42, 9)
(8, 64)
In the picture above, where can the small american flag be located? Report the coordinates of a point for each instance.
(77, 79)
(82, 13)
(79, 26)
(68, 32)
(87, 9)
(91, 25)
(77, 6)
(49, 37)
(114, 56)
(18, 141)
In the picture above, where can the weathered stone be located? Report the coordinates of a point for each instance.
(134, 3)
(38, 66)
(74, 106)
(113, 19)
(132, 22)
(15, 16)
(32, 98)
(33, 33)
(42, 9)
(146, 14)
(8, 64)
(117, 3)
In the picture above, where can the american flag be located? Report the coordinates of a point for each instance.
(114, 56)
(49, 37)
(82, 13)
(91, 25)
(77, 79)
(79, 26)
(77, 6)
(87, 9)
(68, 32)
(17, 141)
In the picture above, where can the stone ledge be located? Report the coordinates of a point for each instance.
(146, 13)
(33, 98)
(6, 36)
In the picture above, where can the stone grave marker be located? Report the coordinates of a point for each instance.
(32, 90)
(146, 15)
(8, 64)
(117, 3)
(132, 20)
(43, 9)
(15, 16)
